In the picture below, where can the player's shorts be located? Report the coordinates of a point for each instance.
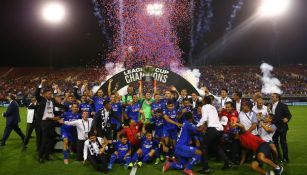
(159, 132)
(171, 133)
(266, 150)
(68, 135)
(185, 151)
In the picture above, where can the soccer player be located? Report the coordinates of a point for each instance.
(117, 108)
(261, 148)
(167, 97)
(132, 111)
(158, 122)
(68, 132)
(85, 106)
(187, 155)
(147, 151)
(170, 127)
(156, 104)
(183, 109)
(98, 100)
(122, 152)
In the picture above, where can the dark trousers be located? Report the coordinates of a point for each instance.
(48, 136)
(8, 129)
(99, 162)
(80, 147)
(281, 136)
(29, 130)
(212, 142)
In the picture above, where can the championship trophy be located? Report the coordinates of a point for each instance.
(148, 74)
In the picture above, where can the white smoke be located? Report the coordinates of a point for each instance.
(192, 75)
(112, 69)
(270, 84)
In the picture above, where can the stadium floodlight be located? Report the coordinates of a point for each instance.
(155, 9)
(53, 12)
(272, 8)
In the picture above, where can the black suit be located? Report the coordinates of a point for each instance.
(31, 126)
(103, 126)
(12, 119)
(281, 112)
(234, 102)
(47, 126)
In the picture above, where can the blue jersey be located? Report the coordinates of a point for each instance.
(173, 116)
(188, 109)
(122, 149)
(186, 133)
(86, 107)
(69, 116)
(117, 108)
(147, 145)
(98, 103)
(164, 102)
(156, 105)
(133, 111)
(158, 122)
(197, 116)
(67, 106)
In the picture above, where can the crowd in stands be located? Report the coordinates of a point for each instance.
(21, 81)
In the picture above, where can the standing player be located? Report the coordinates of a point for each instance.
(98, 100)
(158, 122)
(69, 132)
(183, 109)
(132, 111)
(122, 152)
(156, 104)
(188, 156)
(118, 111)
(170, 127)
(85, 106)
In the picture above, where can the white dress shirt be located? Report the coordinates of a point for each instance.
(274, 107)
(83, 127)
(48, 113)
(210, 115)
(238, 106)
(221, 101)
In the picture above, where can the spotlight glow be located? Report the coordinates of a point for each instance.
(155, 9)
(53, 12)
(270, 8)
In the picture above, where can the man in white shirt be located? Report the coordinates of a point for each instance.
(94, 152)
(248, 118)
(260, 109)
(83, 128)
(213, 135)
(221, 100)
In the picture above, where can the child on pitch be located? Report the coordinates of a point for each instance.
(147, 151)
(158, 123)
(187, 155)
(69, 132)
(122, 152)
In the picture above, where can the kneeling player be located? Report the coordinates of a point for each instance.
(188, 156)
(147, 151)
(262, 149)
(122, 152)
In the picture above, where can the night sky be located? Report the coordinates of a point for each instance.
(26, 40)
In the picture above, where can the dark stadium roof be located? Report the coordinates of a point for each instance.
(27, 41)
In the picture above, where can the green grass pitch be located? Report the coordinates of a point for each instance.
(13, 161)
